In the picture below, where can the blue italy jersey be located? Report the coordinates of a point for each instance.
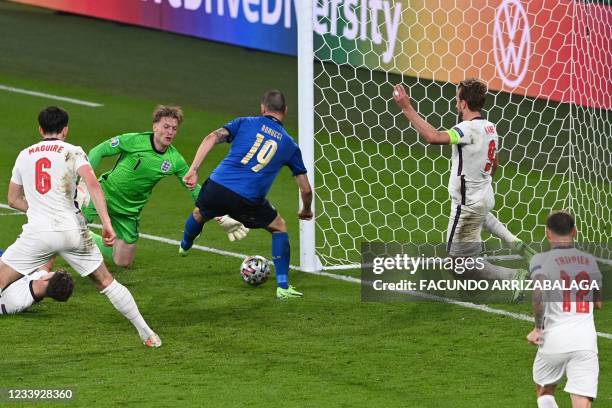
(260, 148)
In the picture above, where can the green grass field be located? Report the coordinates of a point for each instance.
(226, 344)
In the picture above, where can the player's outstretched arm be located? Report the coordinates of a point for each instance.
(428, 132)
(181, 172)
(16, 197)
(306, 194)
(218, 136)
(108, 148)
(97, 196)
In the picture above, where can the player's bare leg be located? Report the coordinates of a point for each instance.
(580, 401)
(7, 275)
(546, 396)
(278, 225)
(124, 302)
(123, 253)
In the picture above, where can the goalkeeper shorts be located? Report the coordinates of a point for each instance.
(126, 226)
(216, 200)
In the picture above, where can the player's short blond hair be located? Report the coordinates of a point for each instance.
(163, 111)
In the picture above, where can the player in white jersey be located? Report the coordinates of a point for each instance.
(33, 288)
(474, 142)
(564, 326)
(43, 185)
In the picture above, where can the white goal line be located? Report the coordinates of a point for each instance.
(49, 96)
(468, 305)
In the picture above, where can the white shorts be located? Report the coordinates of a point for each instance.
(33, 250)
(581, 368)
(463, 235)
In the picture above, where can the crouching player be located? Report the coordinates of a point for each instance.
(239, 184)
(564, 327)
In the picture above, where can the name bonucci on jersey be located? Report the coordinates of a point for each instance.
(47, 171)
(568, 320)
(470, 179)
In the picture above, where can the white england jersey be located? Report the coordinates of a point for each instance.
(48, 171)
(19, 295)
(568, 316)
(472, 161)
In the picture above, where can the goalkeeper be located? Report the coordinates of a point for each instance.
(144, 159)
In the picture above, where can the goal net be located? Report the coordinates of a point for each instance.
(548, 67)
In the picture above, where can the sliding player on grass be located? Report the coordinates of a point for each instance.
(143, 160)
(33, 288)
(474, 141)
(239, 184)
(43, 185)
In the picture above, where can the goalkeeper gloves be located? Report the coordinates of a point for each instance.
(235, 230)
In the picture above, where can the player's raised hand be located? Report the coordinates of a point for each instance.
(191, 179)
(535, 337)
(305, 215)
(108, 235)
(401, 97)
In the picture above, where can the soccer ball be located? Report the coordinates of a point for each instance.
(255, 270)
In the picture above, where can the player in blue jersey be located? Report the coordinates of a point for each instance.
(239, 184)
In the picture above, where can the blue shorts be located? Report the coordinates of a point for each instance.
(216, 200)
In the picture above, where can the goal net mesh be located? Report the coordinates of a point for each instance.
(547, 66)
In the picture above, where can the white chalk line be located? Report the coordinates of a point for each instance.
(468, 305)
(49, 96)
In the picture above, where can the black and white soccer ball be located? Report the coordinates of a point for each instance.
(255, 270)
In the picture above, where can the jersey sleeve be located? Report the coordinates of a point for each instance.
(108, 148)
(460, 134)
(296, 163)
(80, 158)
(16, 174)
(233, 127)
(181, 170)
(16, 297)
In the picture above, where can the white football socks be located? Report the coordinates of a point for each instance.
(498, 229)
(547, 401)
(124, 302)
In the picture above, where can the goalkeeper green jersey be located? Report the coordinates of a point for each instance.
(128, 186)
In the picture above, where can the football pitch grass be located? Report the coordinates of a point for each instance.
(225, 344)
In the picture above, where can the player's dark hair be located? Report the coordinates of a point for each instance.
(60, 286)
(274, 101)
(52, 120)
(474, 92)
(560, 223)
(162, 111)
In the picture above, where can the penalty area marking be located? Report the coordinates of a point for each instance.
(49, 96)
(467, 305)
